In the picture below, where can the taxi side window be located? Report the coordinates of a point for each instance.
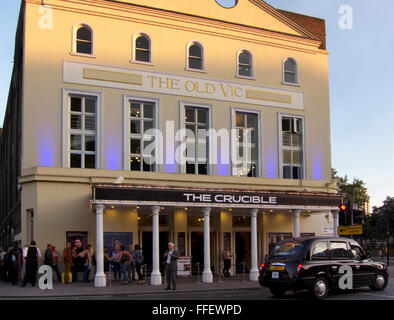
(339, 250)
(356, 251)
(320, 250)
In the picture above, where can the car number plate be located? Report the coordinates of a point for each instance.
(275, 275)
(277, 268)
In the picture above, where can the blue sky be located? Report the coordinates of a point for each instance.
(361, 84)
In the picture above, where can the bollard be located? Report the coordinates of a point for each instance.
(243, 270)
(219, 271)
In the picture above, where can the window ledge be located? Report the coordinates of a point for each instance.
(83, 55)
(142, 62)
(195, 70)
(245, 77)
(290, 84)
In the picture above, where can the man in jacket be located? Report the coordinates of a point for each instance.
(31, 256)
(170, 265)
(68, 262)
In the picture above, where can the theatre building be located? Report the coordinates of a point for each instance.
(96, 141)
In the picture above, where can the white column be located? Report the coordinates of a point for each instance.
(99, 279)
(155, 279)
(207, 273)
(335, 222)
(297, 223)
(254, 271)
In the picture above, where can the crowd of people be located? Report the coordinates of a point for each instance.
(17, 265)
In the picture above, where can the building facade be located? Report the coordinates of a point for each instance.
(131, 114)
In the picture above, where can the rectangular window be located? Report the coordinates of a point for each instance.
(339, 250)
(141, 119)
(197, 140)
(82, 144)
(246, 125)
(292, 147)
(320, 251)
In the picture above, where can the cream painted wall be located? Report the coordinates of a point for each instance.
(121, 220)
(46, 49)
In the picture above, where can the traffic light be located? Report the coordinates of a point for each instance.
(358, 216)
(342, 214)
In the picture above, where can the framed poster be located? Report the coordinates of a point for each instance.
(78, 239)
(79, 242)
(181, 242)
(113, 239)
(184, 266)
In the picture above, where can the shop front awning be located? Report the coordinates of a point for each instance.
(120, 194)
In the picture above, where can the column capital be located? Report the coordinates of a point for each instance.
(253, 212)
(206, 211)
(155, 210)
(297, 213)
(334, 213)
(100, 208)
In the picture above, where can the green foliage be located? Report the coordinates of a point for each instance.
(356, 191)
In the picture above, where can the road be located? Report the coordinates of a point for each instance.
(247, 294)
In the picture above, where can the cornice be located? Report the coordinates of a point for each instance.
(176, 20)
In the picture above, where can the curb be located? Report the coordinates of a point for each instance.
(126, 293)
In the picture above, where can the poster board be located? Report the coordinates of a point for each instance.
(184, 266)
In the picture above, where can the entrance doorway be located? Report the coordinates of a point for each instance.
(242, 251)
(164, 237)
(197, 248)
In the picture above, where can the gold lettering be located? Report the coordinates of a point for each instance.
(174, 84)
(225, 92)
(239, 95)
(187, 87)
(210, 88)
(161, 82)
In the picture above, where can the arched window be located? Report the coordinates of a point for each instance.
(84, 39)
(195, 56)
(290, 71)
(245, 67)
(142, 48)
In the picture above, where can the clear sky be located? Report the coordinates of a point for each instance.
(361, 84)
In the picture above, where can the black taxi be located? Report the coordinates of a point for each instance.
(317, 264)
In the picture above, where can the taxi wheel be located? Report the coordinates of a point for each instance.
(319, 288)
(277, 292)
(380, 282)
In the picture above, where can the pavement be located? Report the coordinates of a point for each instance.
(133, 289)
(184, 285)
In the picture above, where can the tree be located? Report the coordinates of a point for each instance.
(356, 191)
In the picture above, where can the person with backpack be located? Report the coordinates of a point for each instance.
(124, 260)
(31, 255)
(139, 261)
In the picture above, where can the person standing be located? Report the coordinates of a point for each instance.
(171, 257)
(68, 262)
(13, 266)
(227, 262)
(115, 262)
(139, 261)
(124, 261)
(55, 263)
(48, 257)
(31, 257)
(88, 256)
(107, 260)
(131, 268)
